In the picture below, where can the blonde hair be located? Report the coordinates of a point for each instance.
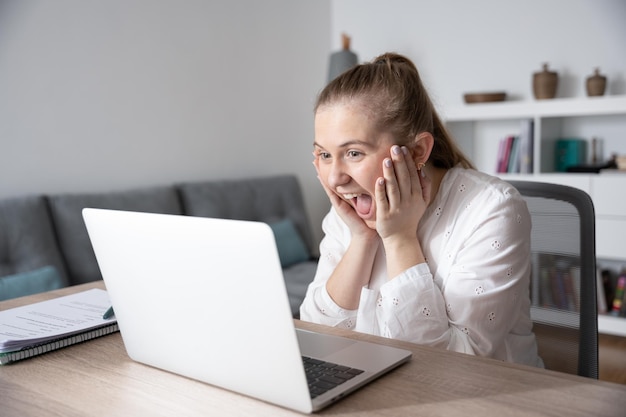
(389, 88)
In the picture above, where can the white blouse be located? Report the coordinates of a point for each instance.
(471, 295)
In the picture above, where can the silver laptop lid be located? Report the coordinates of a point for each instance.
(194, 295)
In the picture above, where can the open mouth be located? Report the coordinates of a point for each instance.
(362, 203)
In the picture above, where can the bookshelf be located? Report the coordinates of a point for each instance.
(479, 128)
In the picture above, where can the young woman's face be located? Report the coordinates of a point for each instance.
(349, 154)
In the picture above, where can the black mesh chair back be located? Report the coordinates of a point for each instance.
(563, 282)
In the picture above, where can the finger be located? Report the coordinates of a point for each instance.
(382, 203)
(403, 169)
(414, 174)
(392, 190)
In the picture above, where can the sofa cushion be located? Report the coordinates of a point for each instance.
(291, 247)
(66, 210)
(27, 240)
(266, 199)
(31, 282)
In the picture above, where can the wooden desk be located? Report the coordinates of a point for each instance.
(97, 378)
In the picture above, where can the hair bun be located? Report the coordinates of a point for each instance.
(390, 58)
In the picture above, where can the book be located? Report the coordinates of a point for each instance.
(601, 295)
(618, 299)
(506, 145)
(526, 146)
(500, 157)
(609, 288)
(514, 157)
(572, 287)
(42, 327)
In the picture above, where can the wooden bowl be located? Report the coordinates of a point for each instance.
(484, 97)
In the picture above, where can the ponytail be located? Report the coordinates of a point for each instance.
(390, 89)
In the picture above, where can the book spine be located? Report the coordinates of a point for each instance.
(29, 352)
(572, 283)
(501, 146)
(514, 160)
(602, 305)
(618, 299)
(558, 289)
(546, 290)
(526, 154)
(507, 154)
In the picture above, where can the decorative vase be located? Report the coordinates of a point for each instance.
(342, 60)
(596, 84)
(544, 83)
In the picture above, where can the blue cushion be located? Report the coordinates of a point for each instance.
(31, 282)
(291, 247)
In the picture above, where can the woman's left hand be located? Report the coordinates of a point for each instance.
(402, 196)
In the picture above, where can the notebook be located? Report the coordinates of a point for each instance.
(35, 329)
(205, 298)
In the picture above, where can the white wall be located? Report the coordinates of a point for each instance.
(491, 45)
(110, 95)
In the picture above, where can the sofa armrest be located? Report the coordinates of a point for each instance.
(27, 240)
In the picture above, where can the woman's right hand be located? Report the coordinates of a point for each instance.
(357, 226)
(353, 271)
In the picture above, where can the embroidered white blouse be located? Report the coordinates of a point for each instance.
(471, 295)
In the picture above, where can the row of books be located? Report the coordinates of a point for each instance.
(515, 152)
(611, 292)
(558, 285)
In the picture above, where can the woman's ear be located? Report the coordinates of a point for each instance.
(422, 147)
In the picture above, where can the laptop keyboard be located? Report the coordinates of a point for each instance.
(323, 376)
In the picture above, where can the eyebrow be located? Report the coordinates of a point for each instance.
(349, 143)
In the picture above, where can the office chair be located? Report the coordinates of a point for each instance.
(563, 282)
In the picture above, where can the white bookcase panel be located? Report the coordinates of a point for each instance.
(480, 127)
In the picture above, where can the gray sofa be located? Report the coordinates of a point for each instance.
(44, 242)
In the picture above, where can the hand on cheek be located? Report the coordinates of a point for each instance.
(399, 197)
(357, 226)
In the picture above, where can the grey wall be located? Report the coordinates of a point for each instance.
(99, 95)
(491, 45)
(109, 95)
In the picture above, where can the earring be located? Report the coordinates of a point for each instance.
(420, 166)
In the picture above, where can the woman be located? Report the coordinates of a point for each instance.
(418, 245)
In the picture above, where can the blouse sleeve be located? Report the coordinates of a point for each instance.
(473, 302)
(318, 306)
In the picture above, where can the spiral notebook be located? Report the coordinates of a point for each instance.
(49, 325)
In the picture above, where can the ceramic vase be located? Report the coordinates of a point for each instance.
(545, 83)
(342, 60)
(596, 84)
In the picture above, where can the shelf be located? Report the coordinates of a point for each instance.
(606, 324)
(553, 316)
(611, 325)
(561, 107)
(479, 127)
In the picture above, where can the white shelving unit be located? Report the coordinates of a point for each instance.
(479, 128)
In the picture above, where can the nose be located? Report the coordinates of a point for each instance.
(337, 174)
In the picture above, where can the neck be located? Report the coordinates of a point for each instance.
(435, 175)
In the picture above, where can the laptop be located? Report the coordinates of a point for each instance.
(205, 298)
